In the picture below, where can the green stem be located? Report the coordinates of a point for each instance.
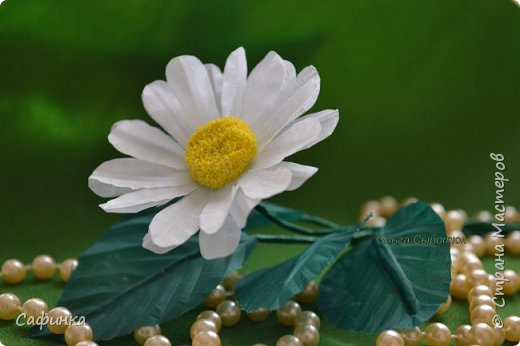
(290, 226)
(364, 233)
(284, 239)
(302, 239)
(318, 221)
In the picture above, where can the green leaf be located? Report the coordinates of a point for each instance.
(272, 287)
(380, 286)
(119, 286)
(483, 228)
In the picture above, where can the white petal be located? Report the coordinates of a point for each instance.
(296, 100)
(149, 245)
(133, 174)
(215, 76)
(142, 141)
(300, 173)
(189, 81)
(234, 82)
(241, 208)
(136, 201)
(328, 120)
(290, 71)
(292, 140)
(107, 190)
(164, 107)
(220, 244)
(177, 223)
(263, 89)
(217, 209)
(265, 183)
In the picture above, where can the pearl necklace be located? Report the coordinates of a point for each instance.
(225, 312)
(469, 281)
(44, 268)
(204, 331)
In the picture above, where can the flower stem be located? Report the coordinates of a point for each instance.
(285, 239)
(293, 227)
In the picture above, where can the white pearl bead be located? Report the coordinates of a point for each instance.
(390, 338)
(511, 214)
(483, 314)
(484, 216)
(411, 200)
(308, 335)
(478, 244)
(43, 267)
(412, 337)
(229, 312)
(13, 271)
(212, 316)
(67, 268)
(144, 333)
(481, 300)
(217, 296)
(511, 282)
(258, 315)
(287, 313)
(454, 221)
(309, 294)
(444, 307)
(462, 335)
(158, 340)
(369, 207)
(86, 343)
(229, 282)
(35, 308)
(438, 209)
(482, 334)
(480, 290)
(512, 328)
(58, 315)
(202, 326)
(78, 332)
(206, 339)
(387, 206)
(10, 306)
(460, 286)
(289, 340)
(307, 318)
(500, 336)
(478, 277)
(437, 334)
(513, 243)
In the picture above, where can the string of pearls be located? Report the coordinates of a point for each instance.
(204, 331)
(469, 281)
(44, 268)
(223, 311)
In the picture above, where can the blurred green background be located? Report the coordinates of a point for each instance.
(426, 90)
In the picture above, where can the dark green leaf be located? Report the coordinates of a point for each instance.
(380, 286)
(483, 228)
(272, 287)
(119, 285)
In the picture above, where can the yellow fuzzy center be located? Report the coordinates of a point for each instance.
(219, 151)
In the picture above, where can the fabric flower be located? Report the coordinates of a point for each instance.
(225, 137)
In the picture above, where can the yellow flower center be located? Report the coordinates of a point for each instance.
(218, 152)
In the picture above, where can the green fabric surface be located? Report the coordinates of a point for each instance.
(426, 90)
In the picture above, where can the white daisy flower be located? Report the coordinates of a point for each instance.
(226, 136)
